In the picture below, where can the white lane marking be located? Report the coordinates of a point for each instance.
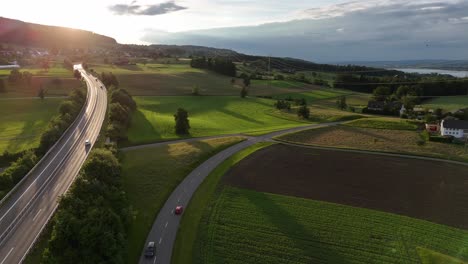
(154, 262)
(166, 224)
(40, 174)
(38, 212)
(160, 240)
(9, 252)
(178, 199)
(58, 185)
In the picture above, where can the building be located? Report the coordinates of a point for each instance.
(455, 128)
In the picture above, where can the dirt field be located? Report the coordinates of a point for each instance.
(434, 191)
(387, 140)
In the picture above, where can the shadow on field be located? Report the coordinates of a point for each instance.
(313, 250)
(25, 137)
(239, 116)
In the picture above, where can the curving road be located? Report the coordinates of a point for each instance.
(164, 230)
(27, 209)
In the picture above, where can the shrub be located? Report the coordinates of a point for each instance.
(303, 112)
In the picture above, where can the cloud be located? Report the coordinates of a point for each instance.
(364, 30)
(146, 10)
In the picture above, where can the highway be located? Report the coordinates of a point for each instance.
(28, 208)
(164, 230)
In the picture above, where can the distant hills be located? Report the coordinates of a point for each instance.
(421, 64)
(28, 34)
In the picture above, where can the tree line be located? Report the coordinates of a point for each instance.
(217, 64)
(90, 225)
(427, 86)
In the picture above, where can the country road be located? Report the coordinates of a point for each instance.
(164, 230)
(28, 208)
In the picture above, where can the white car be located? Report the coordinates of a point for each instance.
(87, 142)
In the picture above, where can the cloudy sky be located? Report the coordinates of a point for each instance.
(319, 30)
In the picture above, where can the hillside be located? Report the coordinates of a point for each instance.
(29, 34)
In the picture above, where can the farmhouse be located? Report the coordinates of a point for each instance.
(455, 128)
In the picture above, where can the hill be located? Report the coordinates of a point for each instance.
(29, 34)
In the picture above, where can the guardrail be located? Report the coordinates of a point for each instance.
(80, 114)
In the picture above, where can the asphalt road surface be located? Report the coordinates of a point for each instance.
(27, 210)
(164, 230)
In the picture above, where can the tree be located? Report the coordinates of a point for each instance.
(2, 86)
(77, 74)
(247, 82)
(243, 92)
(341, 103)
(45, 64)
(182, 125)
(195, 91)
(381, 93)
(303, 112)
(41, 93)
(402, 91)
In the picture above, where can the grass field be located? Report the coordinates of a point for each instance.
(151, 174)
(385, 123)
(254, 227)
(180, 79)
(313, 95)
(386, 140)
(208, 115)
(22, 122)
(186, 237)
(56, 70)
(452, 103)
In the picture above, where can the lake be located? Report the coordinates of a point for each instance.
(459, 74)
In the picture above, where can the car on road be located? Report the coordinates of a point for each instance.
(178, 210)
(87, 143)
(150, 250)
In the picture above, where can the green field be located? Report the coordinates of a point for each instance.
(209, 115)
(22, 122)
(151, 174)
(57, 81)
(384, 123)
(451, 103)
(313, 95)
(186, 237)
(179, 79)
(55, 70)
(243, 226)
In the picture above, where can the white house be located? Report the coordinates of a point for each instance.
(455, 128)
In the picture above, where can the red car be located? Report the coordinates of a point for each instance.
(178, 210)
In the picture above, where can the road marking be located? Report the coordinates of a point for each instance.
(160, 240)
(154, 260)
(9, 252)
(38, 212)
(166, 224)
(56, 187)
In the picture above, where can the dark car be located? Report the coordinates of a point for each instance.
(150, 250)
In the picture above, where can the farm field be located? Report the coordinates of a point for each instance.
(208, 115)
(180, 79)
(255, 227)
(151, 174)
(410, 187)
(257, 215)
(448, 104)
(57, 81)
(385, 123)
(383, 140)
(23, 121)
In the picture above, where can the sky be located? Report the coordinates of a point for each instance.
(319, 30)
